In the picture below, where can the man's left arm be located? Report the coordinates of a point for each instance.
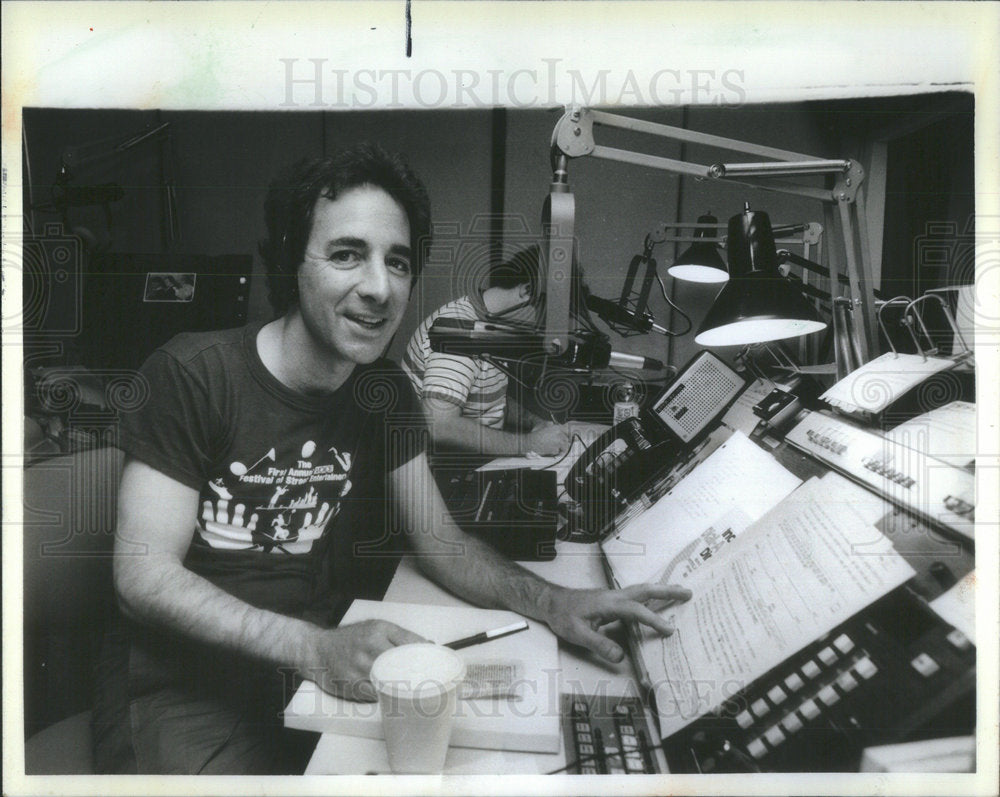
(477, 573)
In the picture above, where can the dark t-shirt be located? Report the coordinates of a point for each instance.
(291, 517)
(292, 486)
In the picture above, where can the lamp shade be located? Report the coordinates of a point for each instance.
(757, 305)
(701, 262)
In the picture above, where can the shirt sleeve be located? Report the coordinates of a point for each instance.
(171, 430)
(449, 378)
(406, 420)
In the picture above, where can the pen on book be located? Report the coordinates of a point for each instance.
(486, 636)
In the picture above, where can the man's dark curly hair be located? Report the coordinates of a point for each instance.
(291, 202)
(519, 269)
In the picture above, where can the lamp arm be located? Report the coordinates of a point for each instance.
(573, 137)
(785, 256)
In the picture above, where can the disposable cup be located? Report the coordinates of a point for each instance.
(417, 689)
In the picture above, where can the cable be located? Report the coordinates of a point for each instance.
(666, 298)
(576, 436)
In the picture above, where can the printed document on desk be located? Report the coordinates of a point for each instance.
(878, 383)
(947, 433)
(727, 492)
(791, 577)
(529, 723)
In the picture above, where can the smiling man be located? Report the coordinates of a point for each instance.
(252, 506)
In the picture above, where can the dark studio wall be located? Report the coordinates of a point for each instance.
(477, 162)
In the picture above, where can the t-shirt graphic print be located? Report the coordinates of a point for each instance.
(275, 507)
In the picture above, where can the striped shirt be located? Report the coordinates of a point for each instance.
(479, 388)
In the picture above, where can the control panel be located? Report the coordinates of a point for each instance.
(894, 672)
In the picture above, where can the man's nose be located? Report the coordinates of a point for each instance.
(374, 283)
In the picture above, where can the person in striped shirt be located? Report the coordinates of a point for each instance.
(465, 398)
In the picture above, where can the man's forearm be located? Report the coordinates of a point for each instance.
(470, 435)
(458, 562)
(158, 590)
(479, 574)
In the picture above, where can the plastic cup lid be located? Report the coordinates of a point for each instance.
(418, 667)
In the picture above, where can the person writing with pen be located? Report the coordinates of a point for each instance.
(268, 481)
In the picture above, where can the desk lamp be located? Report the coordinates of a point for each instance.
(701, 262)
(757, 304)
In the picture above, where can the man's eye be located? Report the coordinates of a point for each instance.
(344, 256)
(399, 264)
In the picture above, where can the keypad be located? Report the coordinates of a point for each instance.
(606, 735)
(802, 710)
(820, 683)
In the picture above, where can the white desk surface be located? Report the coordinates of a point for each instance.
(575, 565)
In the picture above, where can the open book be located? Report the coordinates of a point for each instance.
(765, 583)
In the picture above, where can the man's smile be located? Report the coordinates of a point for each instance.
(367, 320)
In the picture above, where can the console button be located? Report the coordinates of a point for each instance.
(925, 665)
(791, 723)
(776, 695)
(757, 748)
(794, 683)
(846, 681)
(809, 710)
(774, 735)
(865, 668)
(828, 695)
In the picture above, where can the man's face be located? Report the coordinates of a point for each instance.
(354, 281)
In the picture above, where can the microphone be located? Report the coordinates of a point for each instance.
(510, 342)
(614, 313)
